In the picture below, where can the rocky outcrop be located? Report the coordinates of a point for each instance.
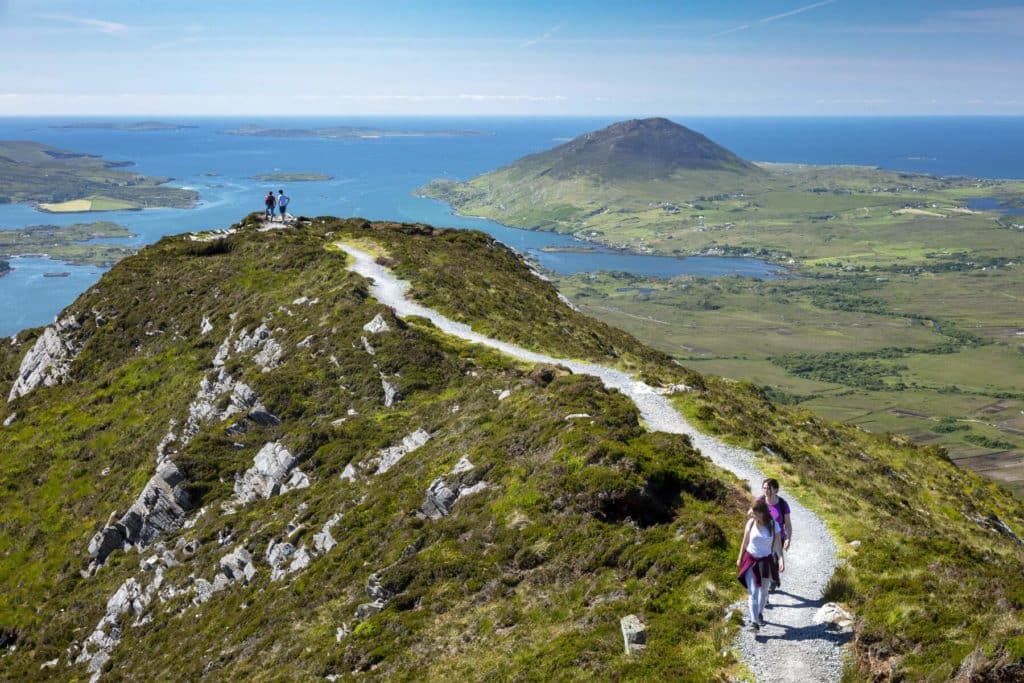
(444, 492)
(389, 457)
(130, 599)
(377, 325)
(634, 633)
(285, 558)
(273, 472)
(159, 509)
(49, 360)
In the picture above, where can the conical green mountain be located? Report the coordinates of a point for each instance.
(228, 461)
(635, 149)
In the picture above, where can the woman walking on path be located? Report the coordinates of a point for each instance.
(762, 542)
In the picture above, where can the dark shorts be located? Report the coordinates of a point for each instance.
(282, 209)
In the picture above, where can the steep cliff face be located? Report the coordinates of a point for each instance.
(236, 463)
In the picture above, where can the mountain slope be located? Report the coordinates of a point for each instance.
(362, 495)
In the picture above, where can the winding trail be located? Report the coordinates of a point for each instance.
(793, 647)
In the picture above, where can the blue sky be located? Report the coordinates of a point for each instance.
(743, 58)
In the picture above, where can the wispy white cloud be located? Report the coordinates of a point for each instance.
(547, 35)
(775, 17)
(990, 20)
(100, 25)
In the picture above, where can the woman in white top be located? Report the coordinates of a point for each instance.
(762, 543)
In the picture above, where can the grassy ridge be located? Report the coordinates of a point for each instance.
(529, 576)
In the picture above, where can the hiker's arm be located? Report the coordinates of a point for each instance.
(743, 545)
(789, 531)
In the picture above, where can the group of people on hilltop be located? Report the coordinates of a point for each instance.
(766, 537)
(280, 203)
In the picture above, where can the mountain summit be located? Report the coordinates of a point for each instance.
(637, 149)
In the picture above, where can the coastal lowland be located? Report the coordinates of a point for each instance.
(291, 177)
(901, 311)
(62, 181)
(125, 126)
(343, 132)
(309, 486)
(73, 244)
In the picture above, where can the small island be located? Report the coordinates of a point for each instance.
(71, 244)
(347, 132)
(128, 126)
(291, 177)
(62, 181)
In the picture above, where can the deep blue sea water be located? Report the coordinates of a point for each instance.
(374, 178)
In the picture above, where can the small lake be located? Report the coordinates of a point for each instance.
(994, 204)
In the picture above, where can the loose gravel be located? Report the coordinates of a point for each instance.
(792, 647)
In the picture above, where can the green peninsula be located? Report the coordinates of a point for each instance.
(63, 181)
(905, 315)
(291, 177)
(347, 132)
(71, 244)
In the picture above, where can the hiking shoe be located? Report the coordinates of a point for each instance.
(754, 626)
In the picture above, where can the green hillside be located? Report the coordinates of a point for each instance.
(261, 355)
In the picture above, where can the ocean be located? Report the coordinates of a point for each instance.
(374, 178)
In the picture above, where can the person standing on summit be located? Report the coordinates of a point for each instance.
(269, 202)
(282, 203)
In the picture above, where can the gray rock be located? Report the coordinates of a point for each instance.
(366, 345)
(368, 609)
(267, 476)
(324, 541)
(834, 617)
(376, 591)
(49, 360)
(634, 633)
(390, 393)
(440, 498)
(377, 325)
(389, 457)
(10, 419)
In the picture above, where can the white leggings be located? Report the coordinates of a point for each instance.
(758, 594)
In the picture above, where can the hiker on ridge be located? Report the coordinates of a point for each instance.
(270, 203)
(758, 568)
(282, 203)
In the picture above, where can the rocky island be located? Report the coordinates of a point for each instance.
(291, 177)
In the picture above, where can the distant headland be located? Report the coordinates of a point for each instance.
(130, 126)
(347, 132)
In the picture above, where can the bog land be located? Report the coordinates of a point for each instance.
(904, 311)
(62, 181)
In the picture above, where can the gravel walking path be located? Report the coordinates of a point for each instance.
(792, 647)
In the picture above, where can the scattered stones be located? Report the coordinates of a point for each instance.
(367, 346)
(377, 325)
(285, 558)
(10, 419)
(855, 545)
(49, 360)
(577, 416)
(205, 326)
(349, 473)
(505, 393)
(634, 634)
